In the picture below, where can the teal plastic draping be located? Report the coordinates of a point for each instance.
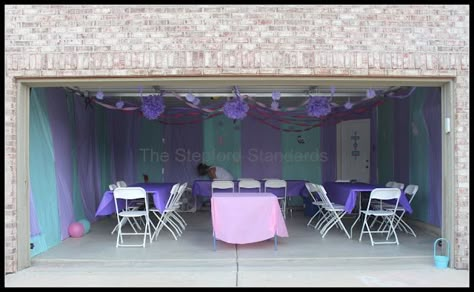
(419, 156)
(76, 191)
(103, 147)
(385, 142)
(149, 151)
(301, 158)
(42, 175)
(222, 144)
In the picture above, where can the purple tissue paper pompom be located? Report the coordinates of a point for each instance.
(192, 99)
(318, 106)
(99, 95)
(276, 95)
(275, 105)
(348, 105)
(119, 104)
(371, 93)
(236, 109)
(152, 106)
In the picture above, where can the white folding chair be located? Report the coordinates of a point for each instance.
(398, 185)
(334, 213)
(161, 217)
(177, 204)
(312, 190)
(222, 185)
(132, 193)
(410, 192)
(389, 184)
(249, 184)
(278, 184)
(342, 180)
(169, 214)
(382, 194)
(113, 187)
(134, 205)
(121, 184)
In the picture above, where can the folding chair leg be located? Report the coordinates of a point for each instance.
(353, 224)
(314, 216)
(326, 216)
(162, 223)
(393, 231)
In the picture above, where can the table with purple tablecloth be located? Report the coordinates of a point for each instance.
(160, 192)
(294, 188)
(346, 194)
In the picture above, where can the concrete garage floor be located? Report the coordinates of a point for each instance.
(302, 259)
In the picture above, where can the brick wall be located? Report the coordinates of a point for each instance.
(63, 40)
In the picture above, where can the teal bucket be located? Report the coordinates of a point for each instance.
(441, 262)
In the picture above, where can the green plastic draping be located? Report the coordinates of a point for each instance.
(42, 175)
(222, 144)
(301, 158)
(385, 142)
(103, 148)
(76, 191)
(149, 149)
(419, 156)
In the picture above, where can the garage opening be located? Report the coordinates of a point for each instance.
(84, 138)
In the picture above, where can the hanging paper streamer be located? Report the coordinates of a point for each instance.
(309, 114)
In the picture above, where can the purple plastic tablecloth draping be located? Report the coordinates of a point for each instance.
(294, 188)
(346, 194)
(160, 192)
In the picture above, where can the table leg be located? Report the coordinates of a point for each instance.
(275, 242)
(214, 240)
(358, 217)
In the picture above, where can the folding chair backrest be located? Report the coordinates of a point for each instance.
(173, 192)
(398, 185)
(384, 194)
(179, 193)
(389, 184)
(222, 185)
(112, 187)
(130, 193)
(249, 184)
(275, 184)
(244, 178)
(323, 195)
(343, 180)
(312, 189)
(121, 184)
(410, 191)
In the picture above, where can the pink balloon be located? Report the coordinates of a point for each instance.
(76, 230)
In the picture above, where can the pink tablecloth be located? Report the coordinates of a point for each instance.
(246, 217)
